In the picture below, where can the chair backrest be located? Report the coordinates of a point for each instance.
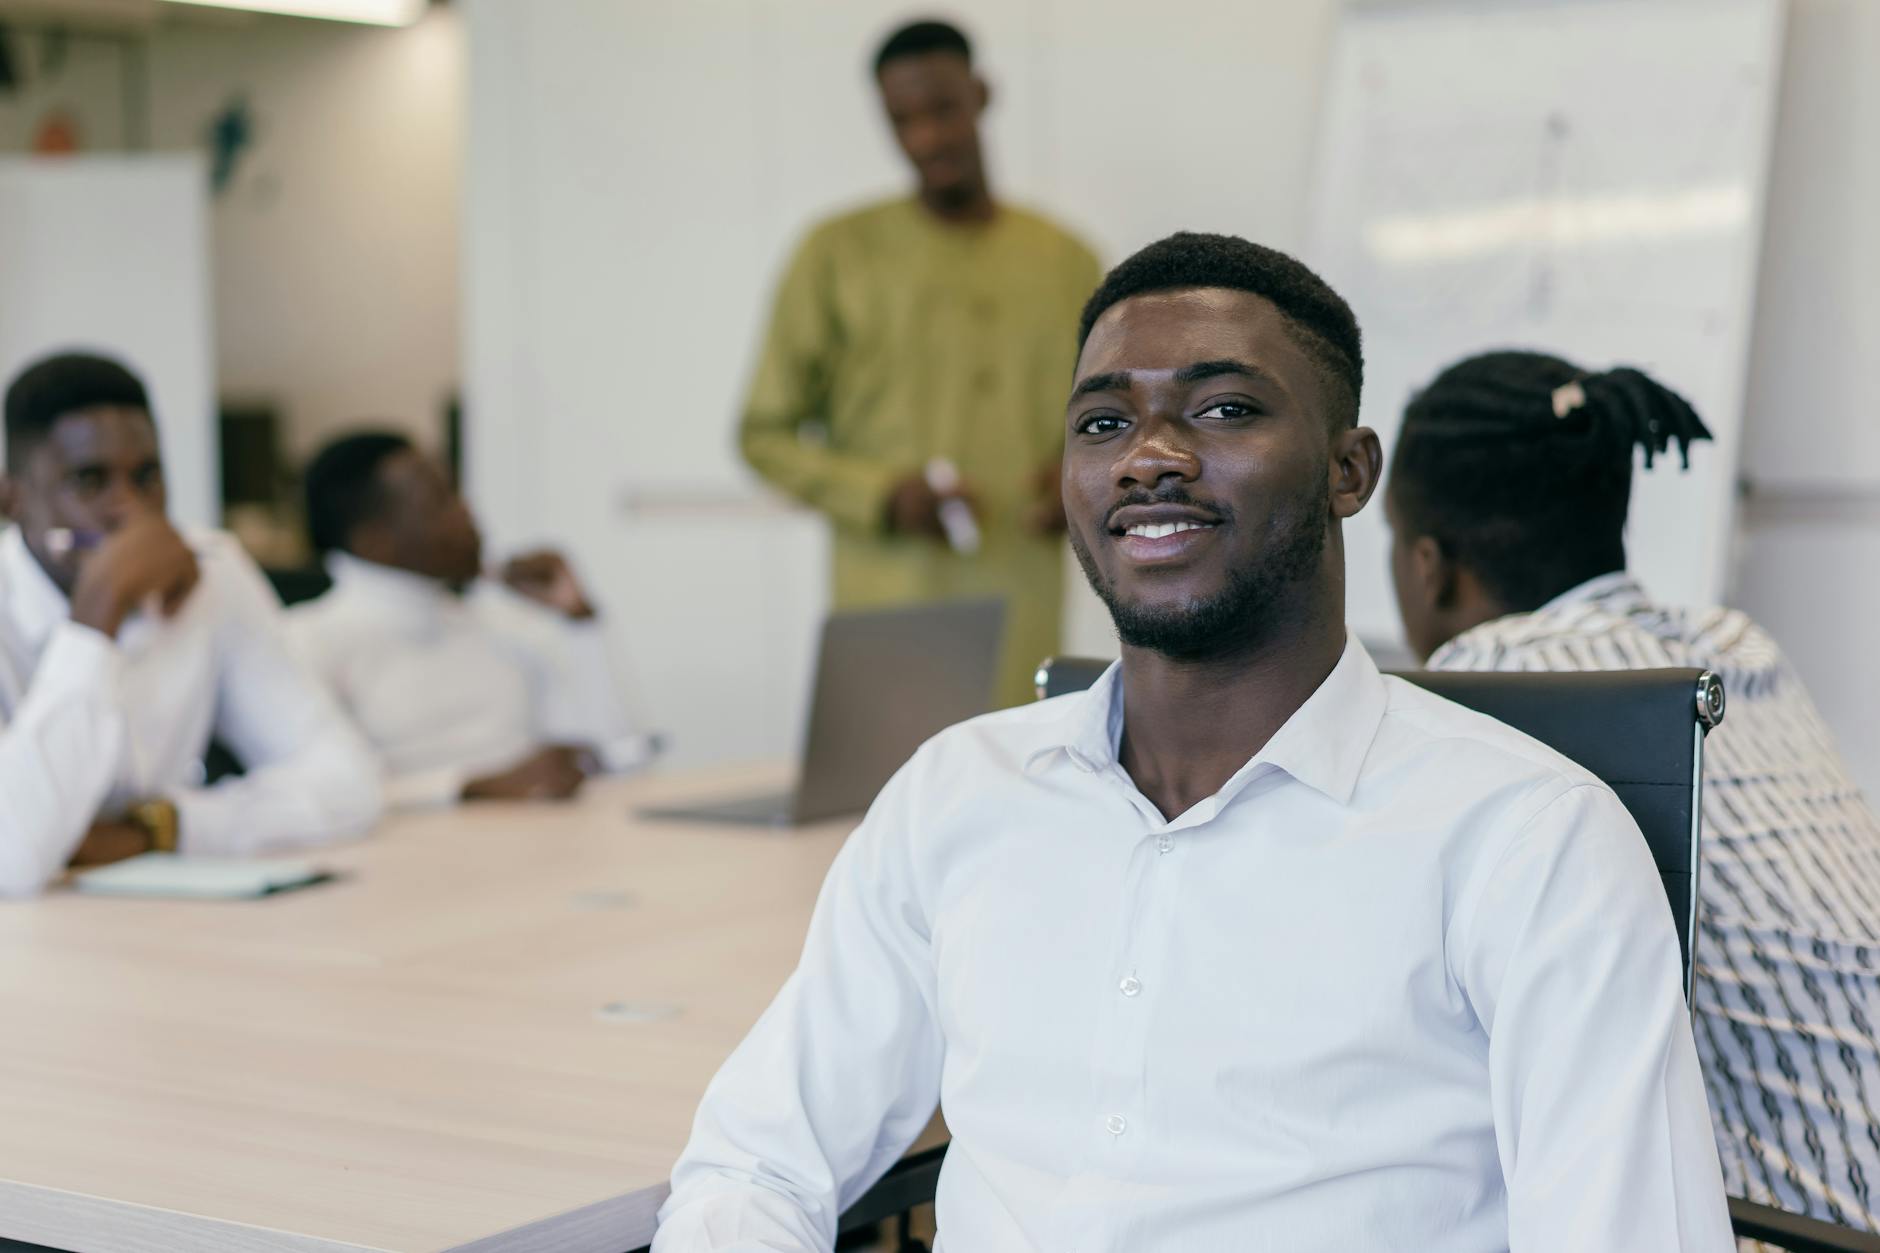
(1641, 731)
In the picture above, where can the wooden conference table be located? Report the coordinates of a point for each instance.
(490, 1036)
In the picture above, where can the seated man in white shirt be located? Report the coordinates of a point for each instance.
(125, 646)
(1508, 496)
(468, 691)
(1248, 946)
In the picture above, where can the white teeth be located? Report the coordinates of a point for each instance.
(1156, 530)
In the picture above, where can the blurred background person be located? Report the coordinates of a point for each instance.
(126, 645)
(1507, 499)
(916, 356)
(467, 690)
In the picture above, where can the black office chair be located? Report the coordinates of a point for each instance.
(1642, 732)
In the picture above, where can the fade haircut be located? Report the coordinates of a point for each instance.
(920, 38)
(57, 385)
(1317, 317)
(342, 486)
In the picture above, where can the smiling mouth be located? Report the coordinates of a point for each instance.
(1162, 543)
(1161, 530)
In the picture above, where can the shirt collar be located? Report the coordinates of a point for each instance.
(1323, 745)
(1617, 592)
(34, 601)
(388, 585)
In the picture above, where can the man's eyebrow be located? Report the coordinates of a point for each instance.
(1119, 380)
(1225, 365)
(1115, 381)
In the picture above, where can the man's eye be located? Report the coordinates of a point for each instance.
(88, 480)
(1101, 424)
(1230, 410)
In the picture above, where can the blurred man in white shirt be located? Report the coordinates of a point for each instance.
(469, 689)
(126, 645)
(1248, 946)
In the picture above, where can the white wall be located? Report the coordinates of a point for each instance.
(1810, 568)
(334, 250)
(107, 254)
(637, 174)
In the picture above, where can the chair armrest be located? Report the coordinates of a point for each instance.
(908, 1183)
(1796, 1233)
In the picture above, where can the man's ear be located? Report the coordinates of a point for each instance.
(983, 90)
(9, 497)
(372, 541)
(1357, 466)
(1433, 572)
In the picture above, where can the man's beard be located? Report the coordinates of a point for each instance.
(1254, 602)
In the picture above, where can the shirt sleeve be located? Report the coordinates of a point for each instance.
(1571, 962)
(841, 1073)
(58, 755)
(309, 777)
(790, 390)
(576, 689)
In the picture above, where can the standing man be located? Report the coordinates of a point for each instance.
(916, 355)
(126, 644)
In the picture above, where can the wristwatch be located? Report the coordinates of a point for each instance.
(157, 819)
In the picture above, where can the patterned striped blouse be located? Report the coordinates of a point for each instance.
(1788, 950)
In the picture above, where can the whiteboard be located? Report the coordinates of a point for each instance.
(1585, 178)
(110, 255)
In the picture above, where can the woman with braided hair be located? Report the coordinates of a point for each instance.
(1507, 500)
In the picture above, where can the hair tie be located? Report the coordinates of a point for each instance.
(1568, 397)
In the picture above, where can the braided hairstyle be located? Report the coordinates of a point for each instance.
(1520, 465)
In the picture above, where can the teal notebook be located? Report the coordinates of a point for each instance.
(198, 878)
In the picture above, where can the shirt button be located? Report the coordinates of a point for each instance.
(1130, 985)
(1116, 1124)
(1165, 844)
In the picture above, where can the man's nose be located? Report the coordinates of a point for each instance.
(1159, 452)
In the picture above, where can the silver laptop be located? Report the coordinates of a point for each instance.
(886, 680)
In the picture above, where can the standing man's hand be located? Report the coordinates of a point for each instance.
(546, 578)
(914, 507)
(554, 773)
(1046, 515)
(144, 558)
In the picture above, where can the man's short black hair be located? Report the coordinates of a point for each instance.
(342, 485)
(919, 38)
(1321, 322)
(57, 385)
(1519, 465)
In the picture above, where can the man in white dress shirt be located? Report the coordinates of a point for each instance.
(125, 645)
(1508, 496)
(467, 690)
(1247, 947)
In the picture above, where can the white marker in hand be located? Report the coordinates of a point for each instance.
(956, 516)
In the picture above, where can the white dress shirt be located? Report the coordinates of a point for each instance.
(1408, 981)
(89, 726)
(1788, 1011)
(451, 687)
